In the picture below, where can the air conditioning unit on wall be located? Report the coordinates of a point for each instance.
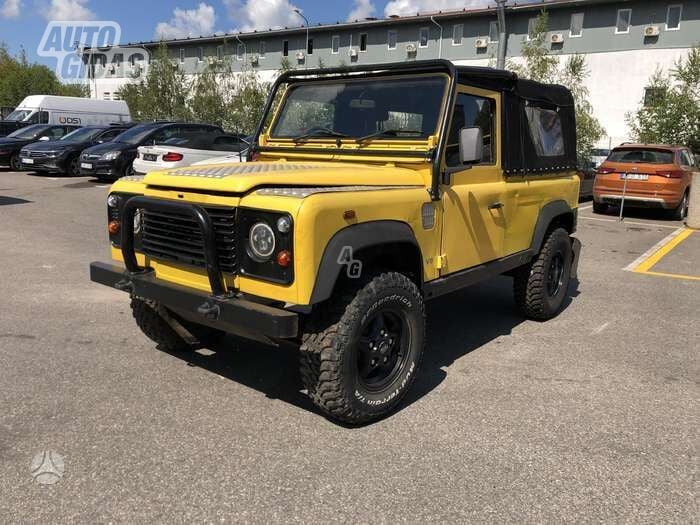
(557, 38)
(651, 31)
(481, 43)
(411, 48)
(353, 52)
(300, 55)
(254, 59)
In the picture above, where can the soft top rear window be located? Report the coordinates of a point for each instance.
(642, 155)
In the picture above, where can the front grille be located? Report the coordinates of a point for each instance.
(37, 154)
(89, 156)
(177, 237)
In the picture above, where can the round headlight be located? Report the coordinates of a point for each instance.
(113, 200)
(261, 240)
(284, 225)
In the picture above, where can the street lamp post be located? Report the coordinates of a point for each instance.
(306, 51)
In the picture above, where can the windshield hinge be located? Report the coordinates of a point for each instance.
(440, 261)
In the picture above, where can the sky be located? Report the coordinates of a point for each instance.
(22, 22)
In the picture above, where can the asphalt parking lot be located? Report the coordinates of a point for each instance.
(590, 417)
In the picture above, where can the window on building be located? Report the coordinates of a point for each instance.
(653, 95)
(624, 17)
(576, 29)
(285, 48)
(457, 34)
(493, 31)
(200, 54)
(262, 49)
(391, 38)
(335, 44)
(310, 47)
(106, 95)
(182, 56)
(531, 27)
(220, 52)
(472, 111)
(363, 42)
(240, 51)
(423, 37)
(673, 17)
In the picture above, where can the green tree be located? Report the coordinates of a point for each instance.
(19, 78)
(670, 111)
(540, 65)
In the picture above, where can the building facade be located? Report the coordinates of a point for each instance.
(624, 43)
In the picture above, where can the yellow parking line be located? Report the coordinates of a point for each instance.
(663, 250)
(672, 275)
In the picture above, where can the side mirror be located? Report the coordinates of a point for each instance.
(43, 139)
(471, 143)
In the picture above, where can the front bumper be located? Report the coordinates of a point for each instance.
(228, 313)
(54, 164)
(104, 168)
(223, 309)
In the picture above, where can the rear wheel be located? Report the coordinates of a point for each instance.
(361, 355)
(599, 207)
(540, 287)
(15, 163)
(149, 317)
(681, 211)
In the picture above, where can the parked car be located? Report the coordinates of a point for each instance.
(115, 159)
(76, 111)
(63, 155)
(656, 176)
(598, 156)
(240, 156)
(185, 151)
(587, 175)
(11, 145)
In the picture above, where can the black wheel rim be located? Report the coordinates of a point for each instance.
(555, 274)
(383, 349)
(15, 164)
(74, 168)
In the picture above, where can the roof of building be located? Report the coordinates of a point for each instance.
(371, 22)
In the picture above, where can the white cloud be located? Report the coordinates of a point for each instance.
(363, 9)
(10, 9)
(188, 22)
(249, 15)
(411, 7)
(68, 10)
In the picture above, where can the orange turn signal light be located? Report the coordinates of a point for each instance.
(113, 227)
(284, 258)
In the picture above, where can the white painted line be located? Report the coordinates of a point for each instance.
(587, 207)
(601, 328)
(635, 223)
(631, 266)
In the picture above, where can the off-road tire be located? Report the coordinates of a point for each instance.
(532, 294)
(600, 207)
(329, 352)
(681, 211)
(15, 163)
(160, 332)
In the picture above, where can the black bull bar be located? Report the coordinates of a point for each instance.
(222, 308)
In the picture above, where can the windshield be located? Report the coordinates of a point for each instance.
(643, 155)
(135, 135)
(82, 134)
(360, 108)
(30, 132)
(19, 114)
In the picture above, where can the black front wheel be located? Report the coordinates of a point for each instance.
(359, 362)
(15, 163)
(73, 166)
(540, 287)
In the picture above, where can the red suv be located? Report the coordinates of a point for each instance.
(656, 176)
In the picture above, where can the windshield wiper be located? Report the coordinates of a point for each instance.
(387, 133)
(318, 132)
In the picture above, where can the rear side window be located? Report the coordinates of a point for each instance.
(642, 155)
(546, 131)
(686, 158)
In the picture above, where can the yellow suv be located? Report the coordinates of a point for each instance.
(370, 190)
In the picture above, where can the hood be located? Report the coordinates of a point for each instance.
(240, 178)
(101, 149)
(49, 145)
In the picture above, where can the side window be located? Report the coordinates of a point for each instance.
(54, 133)
(43, 117)
(471, 111)
(545, 131)
(34, 119)
(686, 159)
(110, 135)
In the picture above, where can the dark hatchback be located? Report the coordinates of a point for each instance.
(11, 145)
(115, 159)
(63, 155)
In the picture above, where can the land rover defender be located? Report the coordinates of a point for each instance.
(370, 190)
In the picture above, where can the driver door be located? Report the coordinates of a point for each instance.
(473, 220)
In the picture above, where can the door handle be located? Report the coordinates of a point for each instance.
(495, 206)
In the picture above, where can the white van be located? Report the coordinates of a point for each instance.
(74, 111)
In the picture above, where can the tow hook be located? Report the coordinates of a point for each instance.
(125, 285)
(209, 310)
